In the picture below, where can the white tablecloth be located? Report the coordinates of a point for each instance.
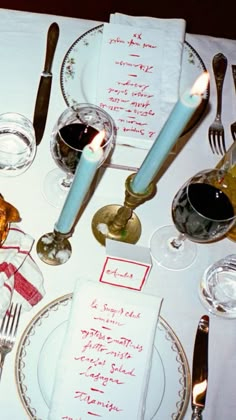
(22, 51)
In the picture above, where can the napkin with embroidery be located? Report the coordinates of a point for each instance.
(20, 278)
(139, 74)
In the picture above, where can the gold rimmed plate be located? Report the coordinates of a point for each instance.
(80, 64)
(38, 352)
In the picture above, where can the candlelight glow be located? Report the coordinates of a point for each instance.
(201, 83)
(199, 390)
(97, 140)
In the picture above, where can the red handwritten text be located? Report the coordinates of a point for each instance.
(83, 396)
(115, 273)
(99, 377)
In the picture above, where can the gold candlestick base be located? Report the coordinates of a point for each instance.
(120, 222)
(54, 248)
(103, 219)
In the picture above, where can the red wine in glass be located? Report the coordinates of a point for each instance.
(74, 129)
(202, 212)
(69, 144)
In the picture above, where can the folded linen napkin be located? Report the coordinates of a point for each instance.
(162, 84)
(173, 35)
(20, 278)
(106, 354)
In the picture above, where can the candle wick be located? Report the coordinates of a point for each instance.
(196, 93)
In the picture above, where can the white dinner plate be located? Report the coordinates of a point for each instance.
(79, 71)
(38, 351)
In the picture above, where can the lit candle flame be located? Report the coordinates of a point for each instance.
(97, 141)
(201, 83)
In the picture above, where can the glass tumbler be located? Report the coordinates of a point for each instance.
(17, 144)
(217, 288)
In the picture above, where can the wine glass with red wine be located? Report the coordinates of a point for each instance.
(75, 128)
(202, 212)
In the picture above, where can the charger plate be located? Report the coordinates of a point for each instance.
(79, 72)
(38, 352)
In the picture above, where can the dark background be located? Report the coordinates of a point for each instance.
(206, 17)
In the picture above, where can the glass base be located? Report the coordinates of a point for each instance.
(217, 290)
(168, 256)
(54, 189)
(57, 185)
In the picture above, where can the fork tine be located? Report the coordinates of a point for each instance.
(233, 132)
(11, 320)
(216, 143)
(211, 141)
(5, 321)
(221, 144)
(223, 150)
(2, 324)
(8, 331)
(16, 317)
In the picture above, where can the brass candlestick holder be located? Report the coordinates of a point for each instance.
(120, 222)
(54, 248)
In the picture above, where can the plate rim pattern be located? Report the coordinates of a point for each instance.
(196, 118)
(54, 305)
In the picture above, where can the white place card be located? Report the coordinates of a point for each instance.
(126, 265)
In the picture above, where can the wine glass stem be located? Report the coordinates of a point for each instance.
(178, 241)
(66, 182)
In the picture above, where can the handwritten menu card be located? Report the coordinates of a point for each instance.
(104, 365)
(132, 83)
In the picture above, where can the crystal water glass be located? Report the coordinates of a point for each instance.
(217, 288)
(17, 144)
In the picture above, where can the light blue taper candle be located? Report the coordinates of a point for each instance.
(85, 171)
(172, 129)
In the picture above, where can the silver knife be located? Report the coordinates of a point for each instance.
(200, 368)
(44, 89)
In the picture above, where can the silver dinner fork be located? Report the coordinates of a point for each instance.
(8, 332)
(216, 130)
(233, 125)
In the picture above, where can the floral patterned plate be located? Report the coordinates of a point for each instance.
(79, 70)
(38, 352)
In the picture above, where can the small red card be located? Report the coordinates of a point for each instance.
(126, 265)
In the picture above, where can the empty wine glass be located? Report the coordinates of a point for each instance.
(75, 127)
(202, 211)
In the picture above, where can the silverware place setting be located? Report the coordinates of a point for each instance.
(8, 331)
(216, 133)
(200, 368)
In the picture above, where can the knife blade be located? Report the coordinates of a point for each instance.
(200, 368)
(44, 89)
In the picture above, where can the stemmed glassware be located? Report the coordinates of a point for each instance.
(202, 211)
(75, 127)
